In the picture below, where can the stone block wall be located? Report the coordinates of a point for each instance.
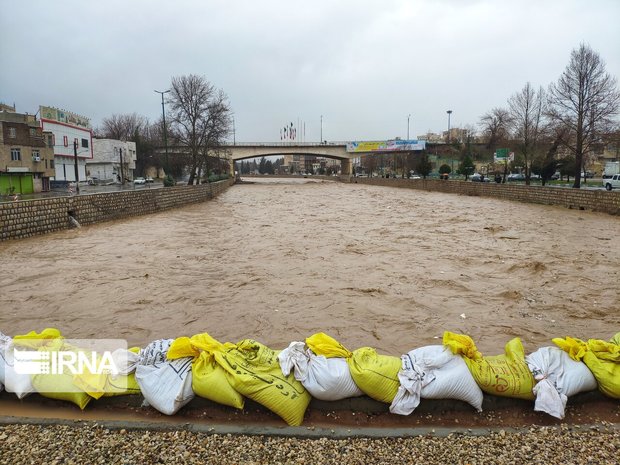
(581, 199)
(34, 217)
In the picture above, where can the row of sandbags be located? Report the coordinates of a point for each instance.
(169, 373)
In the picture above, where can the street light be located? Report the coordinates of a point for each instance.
(163, 113)
(408, 116)
(321, 141)
(449, 113)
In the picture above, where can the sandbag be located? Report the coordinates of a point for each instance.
(254, 371)
(433, 372)
(209, 379)
(558, 377)
(505, 375)
(21, 383)
(107, 385)
(5, 342)
(57, 386)
(324, 378)
(165, 384)
(376, 375)
(601, 357)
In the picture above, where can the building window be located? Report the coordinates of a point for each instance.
(33, 132)
(51, 163)
(53, 141)
(12, 133)
(65, 140)
(16, 154)
(85, 143)
(75, 143)
(36, 155)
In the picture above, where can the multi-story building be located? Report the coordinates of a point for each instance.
(113, 160)
(26, 154)
(72, 140)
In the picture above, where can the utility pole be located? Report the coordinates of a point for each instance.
(77, 175)
(163, 114)
(120, 154)
(449, 113)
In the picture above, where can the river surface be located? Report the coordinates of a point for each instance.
(279, 260)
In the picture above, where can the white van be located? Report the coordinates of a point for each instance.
(612, 183)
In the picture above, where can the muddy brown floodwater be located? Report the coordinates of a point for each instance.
(279, 260)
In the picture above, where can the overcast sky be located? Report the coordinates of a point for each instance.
(363, 65)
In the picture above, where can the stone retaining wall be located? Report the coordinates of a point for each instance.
(33, 217)
(581, 199)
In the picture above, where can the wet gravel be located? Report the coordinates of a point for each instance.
(61, 444)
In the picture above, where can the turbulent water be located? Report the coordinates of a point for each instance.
(279, 260)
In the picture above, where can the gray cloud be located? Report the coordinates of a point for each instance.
(363, 65)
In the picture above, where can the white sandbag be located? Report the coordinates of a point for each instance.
(4, 343)
(165, 384)
(433, 372)
(125, 361)
(559, 377)
(324, 378)
(18, 383)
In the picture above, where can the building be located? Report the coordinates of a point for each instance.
(72, 140)
(26, 154)
(112, 160)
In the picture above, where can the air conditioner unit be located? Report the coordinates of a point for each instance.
(36, 158)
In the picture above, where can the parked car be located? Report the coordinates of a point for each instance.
(516, 177)
(149, 179)
(477, 177)
(139, 181)
(612, 183)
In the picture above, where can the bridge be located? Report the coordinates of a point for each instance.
(243, 150)
(334, 150)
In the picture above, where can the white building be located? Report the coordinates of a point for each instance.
(112, 160)
(71, 133)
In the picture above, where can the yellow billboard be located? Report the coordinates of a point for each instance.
(62, 116)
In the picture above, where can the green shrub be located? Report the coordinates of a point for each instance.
(169, 181)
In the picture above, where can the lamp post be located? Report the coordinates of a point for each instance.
(449, 113)
(408, 117)
(321, 141)
(163, 114)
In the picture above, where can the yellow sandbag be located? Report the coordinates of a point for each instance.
(209, 379)
(602, 358)
(376, 375)
(107, 385)
(504, 375)
(35, 340)
(254, 371)
(59, 386)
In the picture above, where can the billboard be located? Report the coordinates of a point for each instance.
(62, 116)
(503, 156)
(385, 146)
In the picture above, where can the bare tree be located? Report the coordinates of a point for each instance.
(584, 101)
(195, 109)
(527, 120)
(495, 127)
(123, 127)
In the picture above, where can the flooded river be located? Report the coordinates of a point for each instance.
(279, 260)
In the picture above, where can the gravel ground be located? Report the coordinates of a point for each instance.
(54, 445)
